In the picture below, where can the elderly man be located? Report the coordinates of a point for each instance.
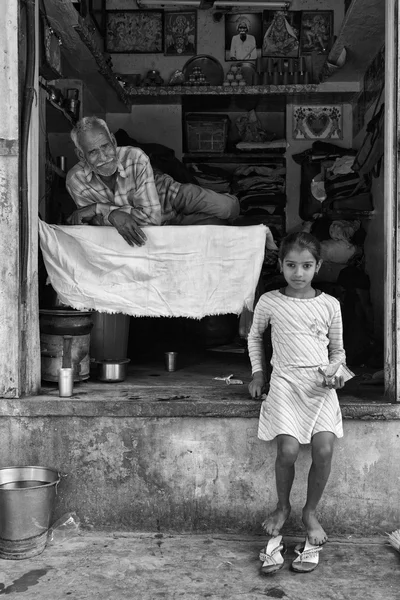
(117, 187)
(243, 45)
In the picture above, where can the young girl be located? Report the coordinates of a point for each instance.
(302, 404)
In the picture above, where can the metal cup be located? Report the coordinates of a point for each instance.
(65, 382)
(170, 360)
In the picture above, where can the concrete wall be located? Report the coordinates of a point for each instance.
(202, 474)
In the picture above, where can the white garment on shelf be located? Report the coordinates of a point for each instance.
(181, 271)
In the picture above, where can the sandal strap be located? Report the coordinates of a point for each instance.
(271, 556)
(308, 555)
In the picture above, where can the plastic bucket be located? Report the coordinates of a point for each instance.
(27, 497)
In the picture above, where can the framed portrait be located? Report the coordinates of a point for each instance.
(243, 36)
(281, 33)
(180, 33)
(134, 31)
(316, 31)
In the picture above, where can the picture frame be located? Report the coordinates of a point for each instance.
(237, 49)
(317, 122)
(180, 33)
(316, 31)
(281, 33)
(134, 31)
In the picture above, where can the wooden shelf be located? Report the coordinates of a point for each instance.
(234, 157)
(349, 89)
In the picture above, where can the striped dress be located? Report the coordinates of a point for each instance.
(306, 334)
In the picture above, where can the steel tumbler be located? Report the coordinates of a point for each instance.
(66, 382)
(170, 360)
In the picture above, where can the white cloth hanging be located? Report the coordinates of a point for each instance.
(181, 271)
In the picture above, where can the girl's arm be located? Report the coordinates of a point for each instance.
(335, 334)
(255, 346)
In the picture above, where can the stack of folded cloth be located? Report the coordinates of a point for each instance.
(213, 178)
(260, 188)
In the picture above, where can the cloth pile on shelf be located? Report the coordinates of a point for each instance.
(213, 178)
(328, 183)
(260, 188)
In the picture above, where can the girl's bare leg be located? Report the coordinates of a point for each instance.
(288, 450)
(322, 451)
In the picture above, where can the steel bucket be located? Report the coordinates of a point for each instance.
(27, 497)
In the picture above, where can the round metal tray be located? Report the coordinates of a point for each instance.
(210, 66)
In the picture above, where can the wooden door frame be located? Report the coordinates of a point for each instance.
(391, 200)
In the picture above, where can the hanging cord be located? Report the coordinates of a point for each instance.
(26, 112)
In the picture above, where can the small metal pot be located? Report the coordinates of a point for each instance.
(112, 371)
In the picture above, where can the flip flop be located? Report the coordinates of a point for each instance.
(272, 556)
(307, 559)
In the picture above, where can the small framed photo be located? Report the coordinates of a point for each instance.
(316, 31)
(134, 31)
(243, 36)
(180, 33)
(281, 33)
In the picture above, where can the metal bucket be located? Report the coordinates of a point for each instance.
(27, 497)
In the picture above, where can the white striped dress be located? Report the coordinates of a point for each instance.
(306, 334)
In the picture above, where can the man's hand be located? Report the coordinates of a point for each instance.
(256, 386)
(126, 226)
(83, 215)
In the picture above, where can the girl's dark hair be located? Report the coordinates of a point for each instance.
(302, 241)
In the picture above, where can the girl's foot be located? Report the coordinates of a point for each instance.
(276, 520)
(315, 533)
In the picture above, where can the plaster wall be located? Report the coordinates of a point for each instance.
(201, 474)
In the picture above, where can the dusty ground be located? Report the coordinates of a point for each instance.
(152, 566)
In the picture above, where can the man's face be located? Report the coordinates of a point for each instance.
(243, 32)
(99, 151)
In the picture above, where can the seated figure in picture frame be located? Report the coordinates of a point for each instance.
(243, 45)
(281, 38)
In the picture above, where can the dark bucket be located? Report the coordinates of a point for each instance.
(27, 497)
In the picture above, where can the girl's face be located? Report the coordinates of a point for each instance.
(299, 267)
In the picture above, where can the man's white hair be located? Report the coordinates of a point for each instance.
(85, 124)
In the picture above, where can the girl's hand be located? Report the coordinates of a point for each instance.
(335, 383)
(256, 386)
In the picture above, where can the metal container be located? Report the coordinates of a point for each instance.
(27, 497)
(65, 342)
(112, 371)
(65, 382)
(170, 360)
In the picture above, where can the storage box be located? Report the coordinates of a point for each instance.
(206, 132)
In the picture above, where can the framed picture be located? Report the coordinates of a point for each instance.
(318, 122)
(316, 31)
(134, 31)
(281, 33)
(243, 36)
(180, 33)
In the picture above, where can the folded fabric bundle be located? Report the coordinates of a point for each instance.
(181, 271)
